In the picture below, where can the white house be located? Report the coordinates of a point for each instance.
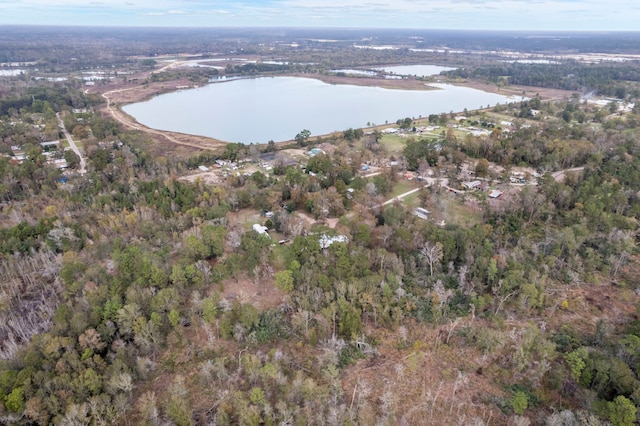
(472, 184)
(49, 144)
(326, 241)
(262, 230)
(59, 163)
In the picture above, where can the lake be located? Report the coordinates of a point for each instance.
(364, 73)
(415, 70)
(257, 110)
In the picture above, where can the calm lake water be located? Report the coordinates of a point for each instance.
(417, 70)
(277, 108)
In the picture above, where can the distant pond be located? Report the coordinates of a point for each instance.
(277, 108)
(415, 70)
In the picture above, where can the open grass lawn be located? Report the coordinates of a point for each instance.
(278, 252)
(496, 117)
(451, 207)
(296, 154)
(454, 211)
(431, 135)
(393, 143)
(401, 187)
(459, 134)
(246, 217)
(412, 200)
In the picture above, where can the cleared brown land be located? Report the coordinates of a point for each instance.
(437, 377)
(528, 91)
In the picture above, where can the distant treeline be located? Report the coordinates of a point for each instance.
(255, 68)
(36, 97)
(605, 79)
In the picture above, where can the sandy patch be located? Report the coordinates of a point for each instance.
(308, 219)
(332, 223)
(209, 178)
(527, 91)
(262, 293)
(403, 84)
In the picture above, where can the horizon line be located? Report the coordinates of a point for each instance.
(276, 27)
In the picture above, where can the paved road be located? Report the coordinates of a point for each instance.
(72, 144)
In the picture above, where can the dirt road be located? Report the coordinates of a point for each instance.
(562, 174)
(72, 144)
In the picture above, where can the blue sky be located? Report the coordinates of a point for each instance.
(569, 15)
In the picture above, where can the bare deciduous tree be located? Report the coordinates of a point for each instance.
(431, 254)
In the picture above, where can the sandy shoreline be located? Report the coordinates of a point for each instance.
(120, 94)
(123, 94)
(416, 84)
(545, 94)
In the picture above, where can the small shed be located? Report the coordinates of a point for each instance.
(421, 213)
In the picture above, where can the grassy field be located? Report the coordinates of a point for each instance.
(246, 217)
(497, 117)
(411, 200)
(401, 187)
(456, 212)
(459, 134)
(393, 143)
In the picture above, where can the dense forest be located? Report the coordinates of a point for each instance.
(132, 295)
(606, 79)
(62, 49)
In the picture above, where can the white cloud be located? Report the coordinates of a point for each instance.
(494, 14)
